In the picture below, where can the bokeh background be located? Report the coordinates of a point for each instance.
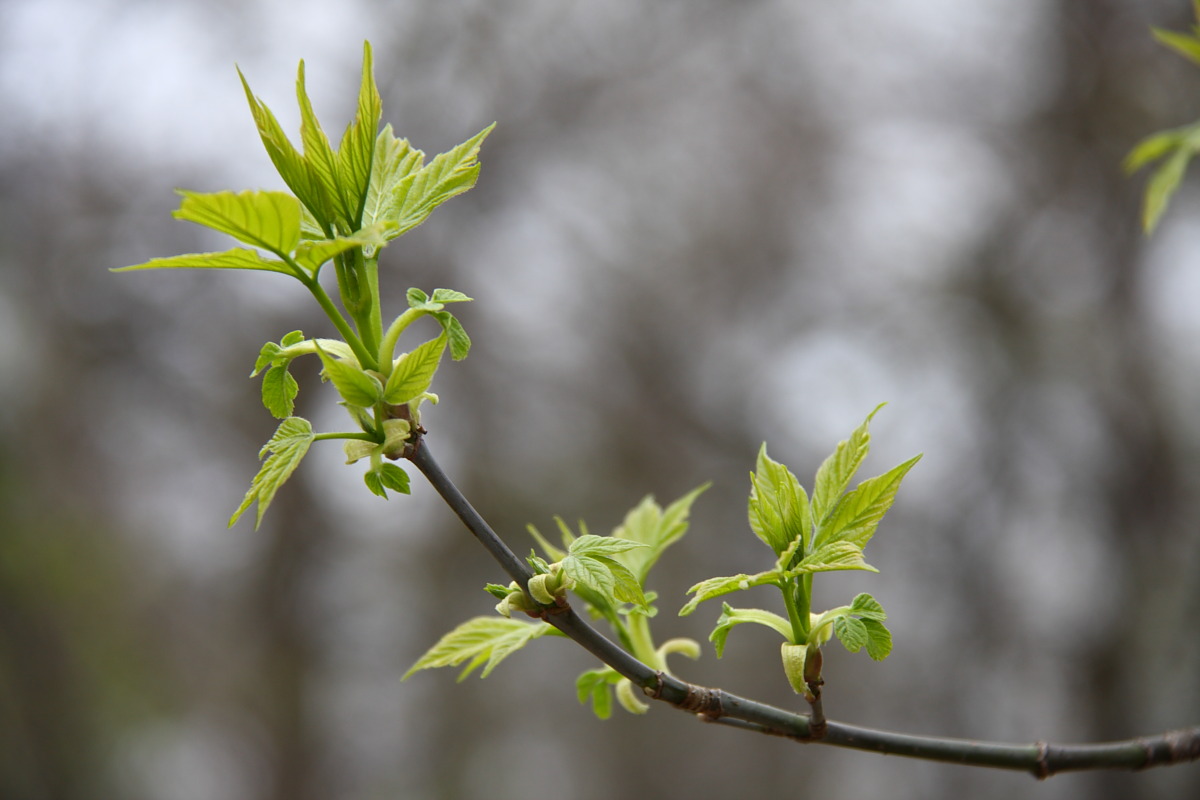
(700, 225)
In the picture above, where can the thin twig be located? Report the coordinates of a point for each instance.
(716, 705)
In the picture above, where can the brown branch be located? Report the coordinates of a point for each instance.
(718, 706)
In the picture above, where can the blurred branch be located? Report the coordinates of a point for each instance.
(716, 705)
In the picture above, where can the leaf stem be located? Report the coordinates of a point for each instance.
(366, 437)
(366, 358)
(387, 348)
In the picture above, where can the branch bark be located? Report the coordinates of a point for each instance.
(718, 706)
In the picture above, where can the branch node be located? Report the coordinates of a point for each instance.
(703, 701)
(1041, 769)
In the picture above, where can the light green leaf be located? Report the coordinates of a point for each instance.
(393, 160)
(287, 160)
(778, 506)
(286, 448)
(835, 473)
(1187, 45)
(387, 476)
(595, 685)
(270, 220)
(1161, 187)
(413, 372)
(321, 161)
(852, 633)
(357, 149)
(832, 557)
(715, 587)
(591, 545)
(449, 296)
(312, 254)
(448, 175)
(867, 607)
(732, 617)
(1152, 148)
(610, 579)
(237, 258)
(857, 516)
(279, 390)
(480, 640)
(552, 552)
(356, 387)
(879, 639)
(648, 524)
(460, 343)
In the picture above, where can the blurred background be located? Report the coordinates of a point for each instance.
(700, 225)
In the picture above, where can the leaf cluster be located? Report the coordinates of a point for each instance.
(345, 204)
(608, 573)
(808, 535)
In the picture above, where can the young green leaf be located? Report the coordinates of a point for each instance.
(291, 166)
(448, 175)
(715, 587)
(312, 254)
(778, 506)
(356, 151)
(279, 390)
(599, 546)
(856, 518)
(482, 640)
(596, 685)
(322, 162)
(648, 524)
(867, 607)
(552, 552)
(270, 220)
(832, 557)
(835, 473)
(855, 633)
(449, 296)
(387, 476)
(286, 447)
(608, 577)
(460, 343)
(292, 338)
(1187, 45)
(1163, 184)
(237, 258)
(413, 372)
(732, 617)
(356, 387)
(393, 160)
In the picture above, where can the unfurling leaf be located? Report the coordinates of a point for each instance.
(413, 372)
(778, 508)
(356, 387)
(286, 448)
(648, 524)
(484, 641)
(387, 476)
(715, 587)
(279, 390)
(835, 473)
(857, 516)
(732, 617)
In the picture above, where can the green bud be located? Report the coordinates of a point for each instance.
(793, 666)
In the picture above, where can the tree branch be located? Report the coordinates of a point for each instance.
(716, 705)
